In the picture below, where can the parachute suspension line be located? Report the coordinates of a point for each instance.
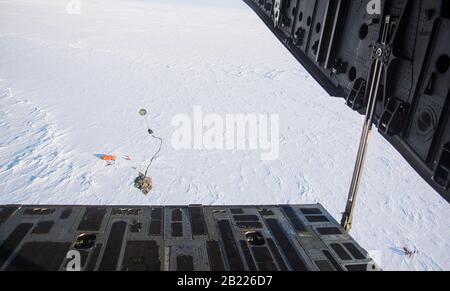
(156, 153)
(142, 181)
(143, 112)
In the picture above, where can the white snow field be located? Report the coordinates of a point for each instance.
(71, 86)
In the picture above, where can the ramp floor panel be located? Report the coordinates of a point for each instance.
(184, 238)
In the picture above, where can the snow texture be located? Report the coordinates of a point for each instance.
(71, 86)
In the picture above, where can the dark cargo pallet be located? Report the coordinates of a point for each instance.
(183, 238)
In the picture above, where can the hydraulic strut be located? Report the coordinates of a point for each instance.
(375, 80)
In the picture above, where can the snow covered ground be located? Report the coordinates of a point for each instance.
(71, 86)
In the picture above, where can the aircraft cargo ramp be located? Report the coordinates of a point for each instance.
(191, 238)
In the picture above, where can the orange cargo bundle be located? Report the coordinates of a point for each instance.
(109, 158)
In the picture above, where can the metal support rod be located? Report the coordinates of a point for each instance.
(347, 217)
